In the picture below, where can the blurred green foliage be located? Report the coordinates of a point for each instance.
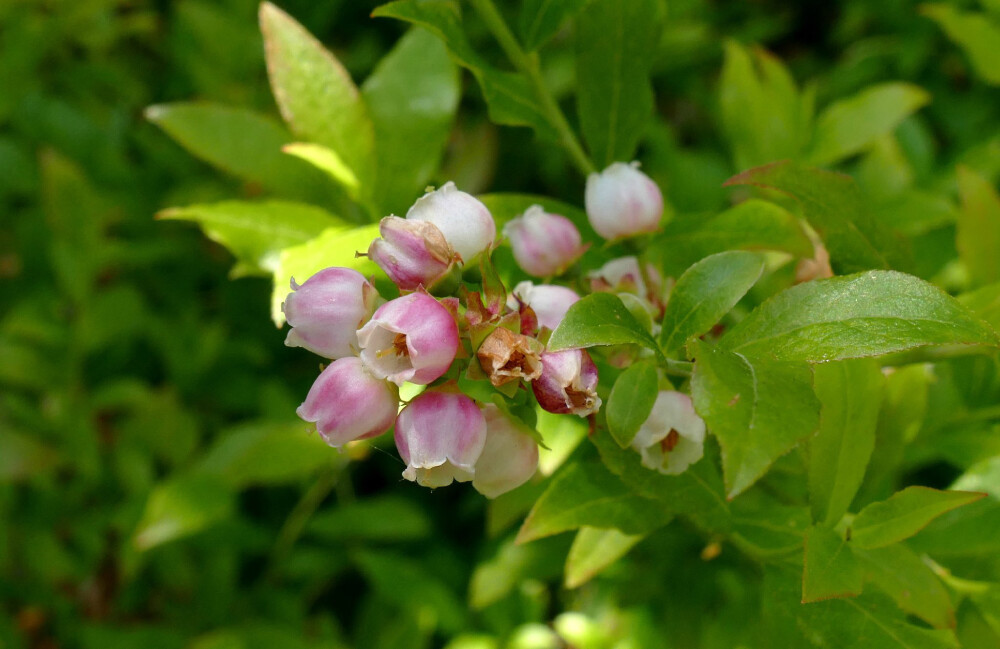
(155, 489)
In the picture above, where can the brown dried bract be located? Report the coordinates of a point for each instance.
(506, 356)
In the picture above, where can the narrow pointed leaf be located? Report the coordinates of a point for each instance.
(540, 20)
(904, 514)
(630, 402)
(599, 319)
(593, 550)
(900, 573)
(830, 569)
(978, 235)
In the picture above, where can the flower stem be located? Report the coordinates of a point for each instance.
(529, 66)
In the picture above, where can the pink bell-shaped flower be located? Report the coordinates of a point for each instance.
(326, 311)
(622, 201)
(347, 403)
(466, 223)
(544, 244)
(673, 436)
(440, 435)
(412, 253)
(549, 302)
(412, 338)
(509, 458)
(568, 383)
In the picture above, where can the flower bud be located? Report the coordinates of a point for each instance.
(412, 338)
(463, 220)
(544, 244)
(326, 311)
(622, 201)
(412, 253)
(568, 383)
(673, 437)
(440, 435)
(506, 356)
(509, 458)
(621, 275)
(549, 302)
(346, 403)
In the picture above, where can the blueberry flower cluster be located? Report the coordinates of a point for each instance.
(495, 335)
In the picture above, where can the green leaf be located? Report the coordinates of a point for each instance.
(410, 584)
(870, 621)
(975, 33)
(705, 293)
(240, 142)
(867, 314)
(905, 577)
(599, 319)
(978, 235)
(833, 205)
(853, 124)
(593, 550)
(513, 565)
(830, 569)
(22, 456)
(630, 402)
(328, 162)
(333, 247)
(181, 506)
(764, 115)
(256, 232)
(697, 492)
(540, 20)
(267, 453)
(509, 96)
(758, 409)
(752, 225)
(985, 303)
(375, 519)
(850, 393)
(585, 493)
(904, 514)
(766, 528)
(614, 97)
(412, 96)
(315, 93)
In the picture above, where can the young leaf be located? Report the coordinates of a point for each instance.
(830, 569)
(833, 205)
(978, 235)
(867, 314)
(904, 514)
(240, 142)
(316, 96)
(585, 493)
(540, 20)
(333, 247)
(975, 33)
(630, 402)
(705, 293)
(752, 225)
(850, 393)
(904, 576)
(758, 409)
(850, 125)
(256, 232)
(764, 115)
(508, 95)
(593, 550)
(328, 162)
(614, 45)
(599, 319)
(411, 96)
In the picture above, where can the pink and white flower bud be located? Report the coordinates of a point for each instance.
(549, 302)
(440, 435)
(621, 275)
(568, 383)
(544, 244)
(347, 403)
(673, 437)
(509, 458)
(412, 253)
(622, 201)
(465, 222)
(326, 311)
(412, 338)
